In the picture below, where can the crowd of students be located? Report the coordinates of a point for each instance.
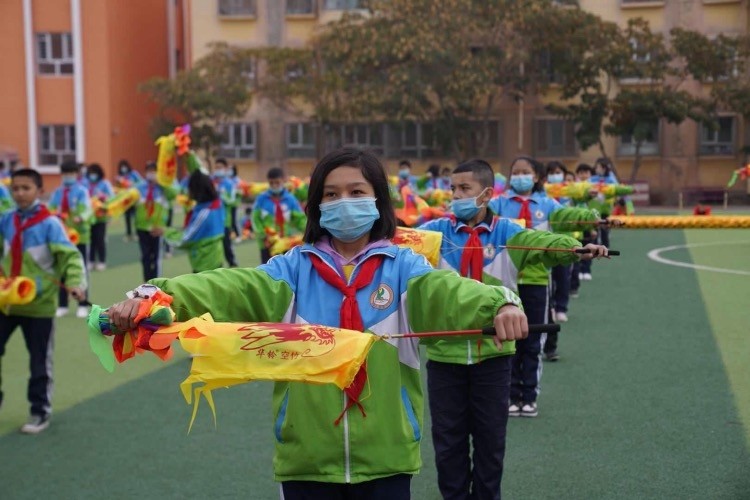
(496, 256)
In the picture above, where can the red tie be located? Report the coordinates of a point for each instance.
(16, 246)
(349, 315)
(64, 203)
(472, 257)
(150, 200)
(278, 215)
(525, 212)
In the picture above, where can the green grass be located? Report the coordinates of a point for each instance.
(650, 399)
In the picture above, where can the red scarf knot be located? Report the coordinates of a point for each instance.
(16, 245)
(525, 212)
(472, 257)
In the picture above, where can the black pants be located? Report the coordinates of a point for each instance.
(63, 293)
(265, 255)
(469, 409)
(38, 333)
(527, 362)
(228, 251)
(170, 217)
(150, 254)
(98, 250)
(575, 281)
(388, 488)
(234, 227)
(129, 216)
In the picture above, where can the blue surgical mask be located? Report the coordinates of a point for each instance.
(555, 178)
(466, 208)
(522, 183)
(348, 219)
(69, 179)
(277, 190)
(403, 173)
(93, 177)
(151, 176)
(220, 173)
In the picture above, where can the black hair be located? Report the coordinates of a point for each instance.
(70, 167)
(372, 170)
(445, 171)
(275, 173)
(538, 168)
(223, 161)
(32, 174)
(434, 170)
(95, 169)
(201, 187)
(554, 165)
(404, 163)
(584, 167)
(604, 162)
(150, 165)
(248, 210)
(481, 171)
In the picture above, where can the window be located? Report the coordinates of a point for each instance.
(547, 69)
(237, 8)
(343, 4)
(642, 3)
(300, 140)
(297, 7)
(54, 52)
(719, 141)
(364, 136)
(554, 138)
(649, 147)
(239, 141)
(294, 72)
(411, 140)
(57, 143)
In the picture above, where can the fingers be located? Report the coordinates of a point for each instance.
(122, 314)
(510, 324)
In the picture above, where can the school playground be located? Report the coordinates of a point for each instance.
(651, 398)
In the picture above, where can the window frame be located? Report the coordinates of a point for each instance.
(300, 149)
(232, 5)
(313, 12)
(627, 152)
(231, 150)
(67, 56)
(339, 8)
(68, 152)
(549, 153)
(704, 145)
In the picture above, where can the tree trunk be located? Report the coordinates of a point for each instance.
(636, 162)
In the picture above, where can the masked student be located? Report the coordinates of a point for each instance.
(229, 194)
(469, 382)
(276, 211)
(331, 443)
(99, 188)
(127, 178)
(151, 213)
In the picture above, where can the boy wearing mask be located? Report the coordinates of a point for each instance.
(150, 220)
(229, 195)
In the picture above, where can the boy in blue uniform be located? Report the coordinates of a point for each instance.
(228, 194)
(34, 245)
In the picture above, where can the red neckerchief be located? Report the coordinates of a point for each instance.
(472, 257)
(150, 200)
(16, 246)
(278, 214)
(64, 203)
(525, 212)
(350, 317)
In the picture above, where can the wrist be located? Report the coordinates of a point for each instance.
(145, 291)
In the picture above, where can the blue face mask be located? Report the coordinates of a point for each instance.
(404, 173)
(555, 178)
(277, 190)
(522, 183)
(466, 208)
(69, 180)
(93, 177)
(220, 173)
(349, 219)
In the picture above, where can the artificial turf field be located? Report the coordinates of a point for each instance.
(651, 398)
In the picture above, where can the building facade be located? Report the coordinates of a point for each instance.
(72, 70)
(676, 157)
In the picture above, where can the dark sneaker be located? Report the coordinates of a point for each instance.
(529, 410)
(36, 424)
(551, 356)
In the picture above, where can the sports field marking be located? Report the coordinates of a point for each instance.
(655, 255)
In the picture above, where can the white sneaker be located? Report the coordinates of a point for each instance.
(89, 266)
(36, 424)
(238, 239)
(586, 277)
(100, 266)
(168, 255)
(514, 410)
(61, 311)
(82, 312)
(529, 410)
(561, 317)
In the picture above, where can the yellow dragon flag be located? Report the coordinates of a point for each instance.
(227, 354)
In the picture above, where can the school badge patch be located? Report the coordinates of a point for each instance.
(489, 251)
(382, 298)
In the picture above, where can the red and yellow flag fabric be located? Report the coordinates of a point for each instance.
(426, 243)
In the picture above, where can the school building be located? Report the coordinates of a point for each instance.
(677, 158)
(71, 71)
